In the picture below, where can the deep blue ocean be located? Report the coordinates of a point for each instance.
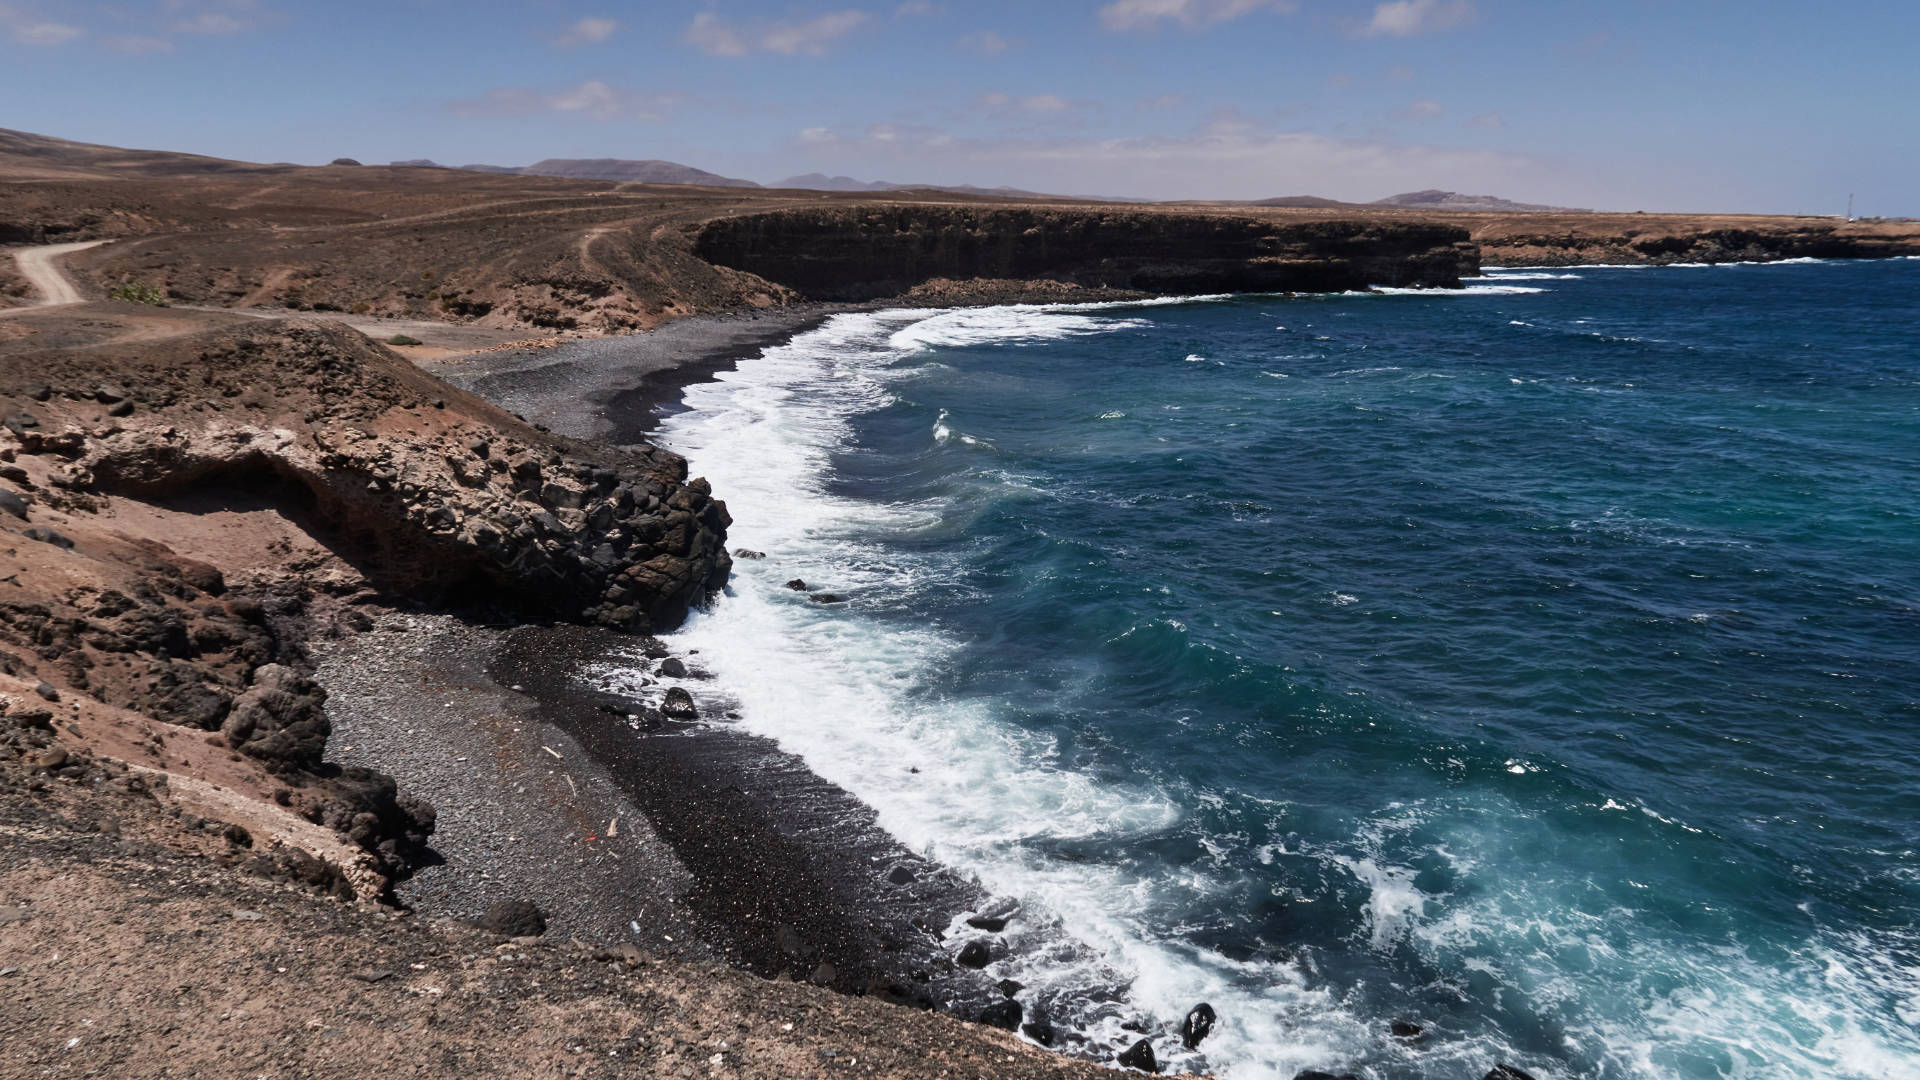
(1537, 662)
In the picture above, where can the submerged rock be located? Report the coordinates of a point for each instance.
(1506, 1072)
(1005, 1013)
(1039, 1031)
(1406, 1029)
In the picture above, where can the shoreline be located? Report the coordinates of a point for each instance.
(723, 846)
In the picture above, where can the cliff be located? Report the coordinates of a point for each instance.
(871, 252)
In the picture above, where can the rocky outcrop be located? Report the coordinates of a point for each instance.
(186, 513)
(429, 496)
(874, 251)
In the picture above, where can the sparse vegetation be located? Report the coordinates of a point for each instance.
(402, 339)
(135, 292)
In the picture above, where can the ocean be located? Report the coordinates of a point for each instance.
(1537, 663)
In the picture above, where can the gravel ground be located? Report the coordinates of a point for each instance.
(613, 389)
(524, 812)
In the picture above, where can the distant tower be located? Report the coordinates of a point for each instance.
(1849, 206)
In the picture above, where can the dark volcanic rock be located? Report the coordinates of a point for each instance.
(990, 923)
(1140, 1056)
(1005, 1013)
(514, 918)
(1316, 1074)
(1039, 1031)
(47, 536)
(679, 705)
(797, 585)
(12, 502)
(1197, 1025)
(975, 954)
(671, 668)
(1406, 1029)
(1506, 1072)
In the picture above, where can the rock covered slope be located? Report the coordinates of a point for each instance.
(178, 517)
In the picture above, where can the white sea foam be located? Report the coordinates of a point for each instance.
(1470, 290)
(840, 692)
(1497, 274)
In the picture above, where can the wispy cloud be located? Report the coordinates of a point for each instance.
(1146, 14)
(593, 98)
(1406, 18)
(588, 31)
(1423, 110)
(1487, 121)
(1031, 103)
(914, 8)
(986, 43)
(138, 44)
(25, 28)
(717, 36)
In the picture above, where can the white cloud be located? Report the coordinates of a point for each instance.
(1032, 103)
(1423, 110)
(1146, 14)
(986, 43)
(1405, 18)
(716, 36)
(27, 29)
(588, 31)
(135, 45)
(211, 22)
(45, 33)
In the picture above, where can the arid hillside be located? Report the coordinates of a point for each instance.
(526, 253)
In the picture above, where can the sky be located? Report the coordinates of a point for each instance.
(1610, 104)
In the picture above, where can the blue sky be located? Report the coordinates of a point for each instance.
(1675, 105)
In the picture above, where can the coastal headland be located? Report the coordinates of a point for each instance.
(321, 492)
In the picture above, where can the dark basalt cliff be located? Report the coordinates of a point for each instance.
(870, 252)
(1619, 240)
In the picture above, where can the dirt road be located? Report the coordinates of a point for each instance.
(39, 266)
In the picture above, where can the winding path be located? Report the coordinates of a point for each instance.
(38, 266)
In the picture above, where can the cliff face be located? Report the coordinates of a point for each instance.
(870, 252)
(1660, 239)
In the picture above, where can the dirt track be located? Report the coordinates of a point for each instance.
(39, 266)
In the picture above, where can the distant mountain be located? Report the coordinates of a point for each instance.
(1308, 202)
(814, 181)
(632, 172)
(823, 182)
(1435, 199)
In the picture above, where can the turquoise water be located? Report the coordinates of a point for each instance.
(1535, 662)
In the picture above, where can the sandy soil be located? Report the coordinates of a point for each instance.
(124, 956)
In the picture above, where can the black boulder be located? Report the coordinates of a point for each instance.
(1140, 1056)
(1197, 1026)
